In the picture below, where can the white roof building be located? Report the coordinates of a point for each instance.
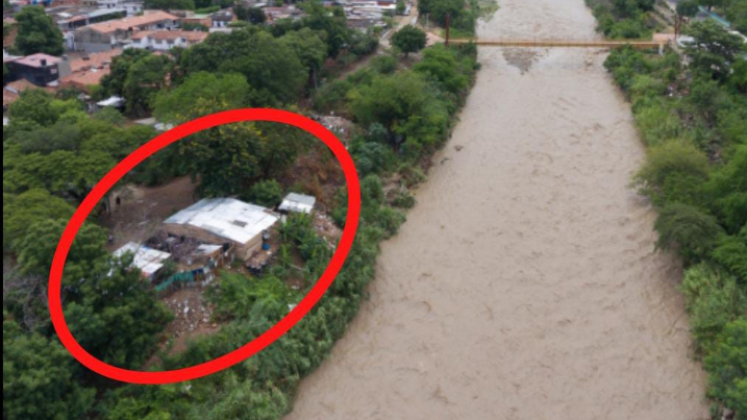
(298, 203)
(226, 218)
(149, 261)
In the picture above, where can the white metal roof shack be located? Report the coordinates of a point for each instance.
(298, 203)
(227, 218)
(148, 260)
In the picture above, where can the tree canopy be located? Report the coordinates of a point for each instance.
(37, 32)
(409, 40)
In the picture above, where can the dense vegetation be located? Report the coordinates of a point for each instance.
(263, 387)
(462, 14)
(692, 118)
(54, 152)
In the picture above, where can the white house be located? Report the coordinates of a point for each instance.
(166, 40)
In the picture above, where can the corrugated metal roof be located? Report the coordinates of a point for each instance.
(298, 203)
(148, 260)
(228, 218)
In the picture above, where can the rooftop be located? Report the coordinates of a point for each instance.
(227, 218)
(298, 203)
(36, 60)
(148, 260)
(149, 18)
(189, 36)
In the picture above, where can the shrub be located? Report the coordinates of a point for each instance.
(714, 299)
(687, 231)
(727, 366)
(268, 193)
(673, 172)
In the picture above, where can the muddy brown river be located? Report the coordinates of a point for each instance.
(525, 284)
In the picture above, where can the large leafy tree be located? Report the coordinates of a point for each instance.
(689, 232)
(113, 83)
(409, 40)
(405, 105)
(737, 14)
(202, 94)
(39, 378)
(22, 211)
(714, 50)
(309, 46)
(273, 69)
(145, 79)
(37, 32)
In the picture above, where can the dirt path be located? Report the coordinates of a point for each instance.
(525, 284)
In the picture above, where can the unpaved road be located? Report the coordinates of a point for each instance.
(525, 284)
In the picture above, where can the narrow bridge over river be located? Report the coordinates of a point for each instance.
(559, 43)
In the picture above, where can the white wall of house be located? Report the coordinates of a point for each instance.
(158, 45)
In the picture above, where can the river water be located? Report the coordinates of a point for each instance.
(525, 284)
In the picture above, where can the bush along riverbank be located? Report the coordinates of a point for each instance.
(407, 114)
(693, 119)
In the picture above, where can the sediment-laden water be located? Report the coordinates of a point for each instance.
(525, 284)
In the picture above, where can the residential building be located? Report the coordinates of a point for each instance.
(39, 69)
(166, 40)
(107, 36)
(88, 70)
(222, 19)
(133, 8)
(148, 260)
(224, 221)
(72, 19)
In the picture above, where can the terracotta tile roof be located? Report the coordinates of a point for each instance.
(149, 18)
(190, 36)
(8, 98)
(84, 79)
(94, 61)
(35, 60)
(20, 85)
(12, 91)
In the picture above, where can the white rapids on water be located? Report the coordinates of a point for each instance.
(525, 284)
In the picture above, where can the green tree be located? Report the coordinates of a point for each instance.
(146, 78)
(687, 8)
(39, 379)
(116, 316)
(34, 106)
(310, 48)
(404, 104)
(37, 32)
(737, 14)
(318, 18)
(267, 193)
(409, 40)
(674, 172)
(443, 65)
(687, 231)
(113, 83)
(202, 94)
(253, 15)
(727, 366)
(23, 211)
(714, 50)
(274, 71)
(714, 298)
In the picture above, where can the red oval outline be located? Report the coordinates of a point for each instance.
(261, 342)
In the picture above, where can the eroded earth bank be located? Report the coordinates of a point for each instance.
(525, 284)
